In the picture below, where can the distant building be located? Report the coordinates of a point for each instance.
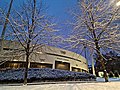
(43, 57)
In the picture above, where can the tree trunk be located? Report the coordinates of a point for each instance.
(26, 69)
(30, 31)
(104, 68)
(100, 58)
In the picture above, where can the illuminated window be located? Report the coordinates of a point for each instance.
(62, 65)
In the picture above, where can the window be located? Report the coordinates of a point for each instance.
(40, 65)
(62, 65)
(76, 69)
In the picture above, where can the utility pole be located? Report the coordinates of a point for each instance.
(5, 25)
(85, 53)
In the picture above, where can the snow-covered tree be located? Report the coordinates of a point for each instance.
(96, 25)
(31, 28)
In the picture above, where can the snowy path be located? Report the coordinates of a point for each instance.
(114, 84)
(77, 86)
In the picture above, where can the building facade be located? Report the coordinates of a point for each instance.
(43, 57)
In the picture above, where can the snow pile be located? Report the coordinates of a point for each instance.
(99, 79)
(45, 74)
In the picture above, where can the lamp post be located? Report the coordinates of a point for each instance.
(93, 68)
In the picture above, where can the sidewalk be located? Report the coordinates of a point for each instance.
(114, 84)
(67, 86)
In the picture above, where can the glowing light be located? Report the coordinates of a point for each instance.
(118, 3)
(39, 52)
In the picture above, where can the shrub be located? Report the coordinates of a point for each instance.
(111, 74)
(45, 74)
(116, 74)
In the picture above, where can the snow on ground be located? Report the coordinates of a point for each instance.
(77, 86)
(100, 85)
(99, 79)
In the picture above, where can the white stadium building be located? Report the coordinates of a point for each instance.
(43, 57)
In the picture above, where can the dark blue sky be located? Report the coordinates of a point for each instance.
(56, 8)
(59, 8)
